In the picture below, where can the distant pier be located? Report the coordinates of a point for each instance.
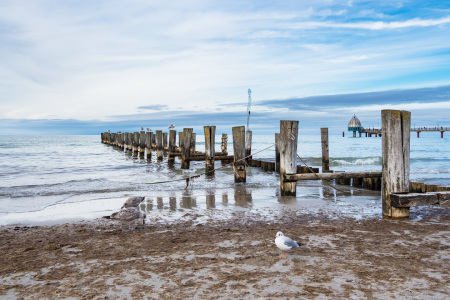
(355, 126)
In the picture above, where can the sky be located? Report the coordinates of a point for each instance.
(85, 67)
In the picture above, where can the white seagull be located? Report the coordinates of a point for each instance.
(171, 126)
(133, 202)
(129, 215)
(284, 243)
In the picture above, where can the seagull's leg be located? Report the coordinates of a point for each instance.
(281, 256)
(286, 255)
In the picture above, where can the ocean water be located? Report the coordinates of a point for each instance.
(57, 179)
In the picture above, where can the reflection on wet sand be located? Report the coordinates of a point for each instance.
(242, 196)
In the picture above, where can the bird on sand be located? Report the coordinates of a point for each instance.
(133, 202)
(129, 215)
(285, 243)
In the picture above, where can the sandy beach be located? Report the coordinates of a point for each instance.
(232, 257)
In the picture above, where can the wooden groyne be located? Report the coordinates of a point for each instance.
(392, 180)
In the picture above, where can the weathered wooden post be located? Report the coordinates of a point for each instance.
(148, 144)
(210, 139)
(325, 153)
(159, 149)
(288, 156)
(210, 200)
(193, 140)
(396, 125)
(154, 141)
(277, 152)
(248, 145)
(130, 142)
(141, 144)
(172, 141)
(122, 141)
(180, 140)
(136, 144)
(186, 150)
(240, 174)
(164, 138)
(223, 146)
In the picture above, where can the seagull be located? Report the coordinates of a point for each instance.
(128, 215)
(171, 126)
(133, 202)
(285, 243)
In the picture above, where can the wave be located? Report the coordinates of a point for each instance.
(352, 161)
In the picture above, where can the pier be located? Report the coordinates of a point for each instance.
(398, 193)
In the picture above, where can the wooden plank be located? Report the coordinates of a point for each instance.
(419, 199)
(288, 156)
(396, 127)
(329, 176)
(240, 174)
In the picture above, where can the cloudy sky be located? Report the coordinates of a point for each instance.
(87, 66)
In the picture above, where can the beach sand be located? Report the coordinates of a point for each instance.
(232, 257)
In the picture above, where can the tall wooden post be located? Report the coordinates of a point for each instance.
(396, 125)
(248, 145)
(277, 152)
(223, 146)
(210, 140)
(135, 144)
(325, 154)
(186, 150)
(141, 144)
(172, 141)
(148, 144)
(159, 149)
(288, 156)
(122, 142)
(181, 140)
(239, 153)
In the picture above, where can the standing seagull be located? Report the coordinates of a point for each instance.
(133, 202)
(129, 215)
(284, 243)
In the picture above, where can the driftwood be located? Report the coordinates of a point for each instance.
(420, 199)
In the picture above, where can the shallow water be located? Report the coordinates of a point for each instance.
(55, 179)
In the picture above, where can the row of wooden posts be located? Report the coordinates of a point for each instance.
(393, 179)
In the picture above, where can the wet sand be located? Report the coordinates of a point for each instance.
(231, 257)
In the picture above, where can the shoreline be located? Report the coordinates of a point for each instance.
(212, 257)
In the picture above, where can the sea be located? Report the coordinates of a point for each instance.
(46, 180)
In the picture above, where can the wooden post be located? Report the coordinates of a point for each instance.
(325, 154)
(248, 145)
(141, 144)
(164, 139)
(135, 144)
(240, 174)
(277, 152)
(148, 144)
(186, 150)
(210, 139)
(159, 145)
(223, 147)
(193, 140)
(172, 141)
(288, 156)
(181, 140)
(153, 141)
(396, 125)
